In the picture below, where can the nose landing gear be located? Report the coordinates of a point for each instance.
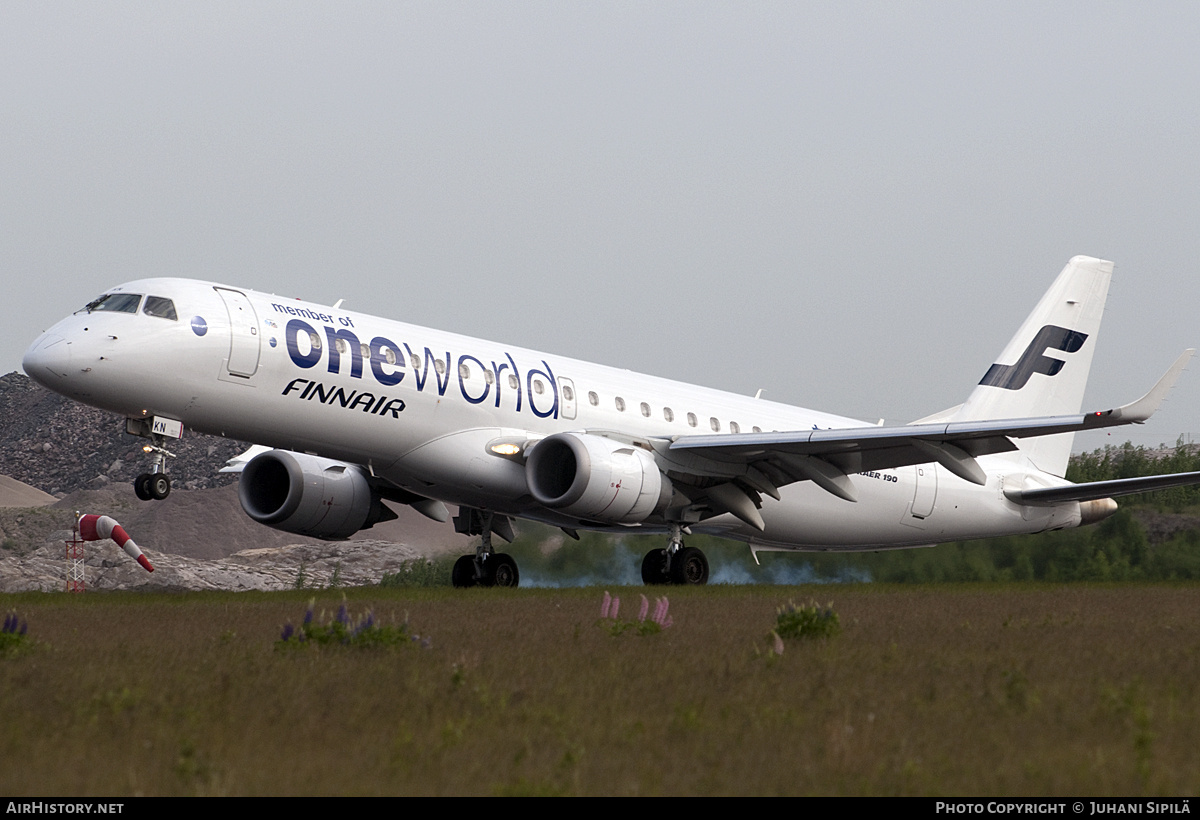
(156, 484)
(152, 486)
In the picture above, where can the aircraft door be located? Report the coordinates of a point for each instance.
(926, 491)
(243, 328)
(566, 390)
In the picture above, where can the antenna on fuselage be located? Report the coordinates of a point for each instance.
(338, 304)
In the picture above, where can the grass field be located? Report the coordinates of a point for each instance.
(944, 690)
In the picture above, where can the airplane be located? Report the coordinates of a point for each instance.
(349, 411)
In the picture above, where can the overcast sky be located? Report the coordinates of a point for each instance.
(849, 205)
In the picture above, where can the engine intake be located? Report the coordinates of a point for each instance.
(596, 478)
(308, 495)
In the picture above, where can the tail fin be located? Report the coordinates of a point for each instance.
(1043, 371)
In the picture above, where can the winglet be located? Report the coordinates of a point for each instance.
(1137, 412)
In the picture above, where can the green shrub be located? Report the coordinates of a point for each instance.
(644, 625)
(14, 637)
(342, 630)
(808, 620)
(421, 572)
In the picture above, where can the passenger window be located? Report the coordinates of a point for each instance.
(593, 399)
(538, 387)
(692, 419)
(715, 425)
(439, 366)
(734, 428)
(621, 404)
(513, 382)
(415, 360)
(160, 307)
(489, 377)
(115, 303)
(464, 372)
(757, 429)
(668, 414)
(568, 393)
(645, 410)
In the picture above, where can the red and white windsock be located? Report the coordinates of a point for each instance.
(98, 527)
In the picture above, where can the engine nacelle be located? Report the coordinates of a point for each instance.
(308, 495)
(596, 478)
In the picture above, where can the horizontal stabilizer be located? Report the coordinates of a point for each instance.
(1101, 489)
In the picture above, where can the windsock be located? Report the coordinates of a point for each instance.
(98, 527)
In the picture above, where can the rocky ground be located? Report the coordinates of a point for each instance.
(265, 568)
(59, 446)
(58, 458)
(200, 539)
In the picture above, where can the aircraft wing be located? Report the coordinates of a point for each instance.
(827, 457)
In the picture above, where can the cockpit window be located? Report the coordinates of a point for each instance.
(115, 303)
(159, 306)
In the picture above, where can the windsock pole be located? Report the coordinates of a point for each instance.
(98, 527)
(76, 568)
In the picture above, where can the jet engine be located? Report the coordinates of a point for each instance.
(308, 495)
(596, 478)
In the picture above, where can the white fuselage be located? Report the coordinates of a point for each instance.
(419, 407)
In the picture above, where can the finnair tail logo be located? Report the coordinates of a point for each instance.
(1034, 359)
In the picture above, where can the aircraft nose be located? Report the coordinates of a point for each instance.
(47, 361)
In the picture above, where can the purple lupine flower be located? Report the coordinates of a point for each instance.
(616, 606)
(660, 611)
(9, 623)
(343, 617)
(605, 604)
(288, 630)
(308, 615)
(644, 609)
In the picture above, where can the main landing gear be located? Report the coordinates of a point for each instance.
(676, 564)
(485, 568)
